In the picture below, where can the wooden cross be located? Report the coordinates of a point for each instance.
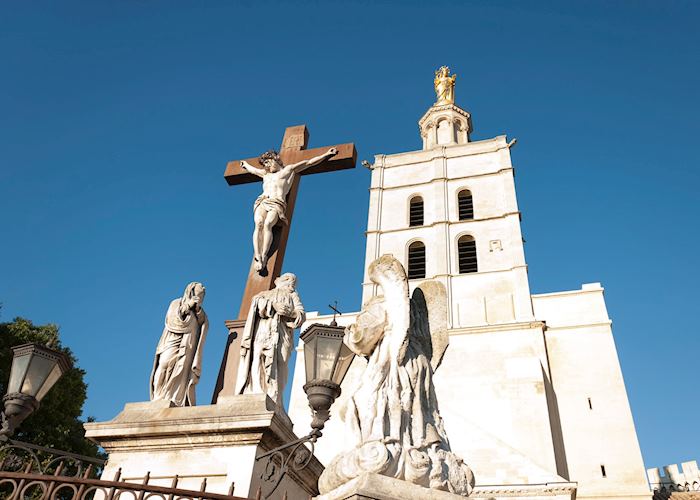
(293, 150)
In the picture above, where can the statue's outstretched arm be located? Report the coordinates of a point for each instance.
(303, 165)
(250, 168)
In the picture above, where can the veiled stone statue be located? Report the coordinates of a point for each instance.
(178, 362)
(393, 415)
(267, 339)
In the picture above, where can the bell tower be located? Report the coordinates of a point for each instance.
(530, 388)
(444, 124)
(449, 212)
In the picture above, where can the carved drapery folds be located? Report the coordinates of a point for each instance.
(177, 365)
(393, 415)
(267, 339)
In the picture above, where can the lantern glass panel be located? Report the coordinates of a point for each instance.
(310, 356)
(39, 370)
(17, 372)
(326, 355)
(50, 381)
(344, 361)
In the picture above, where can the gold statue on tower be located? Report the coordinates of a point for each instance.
(445, 86)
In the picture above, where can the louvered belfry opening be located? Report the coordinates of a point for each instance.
(465, 205)
(415, 216)
(466, 249)
(416, 260)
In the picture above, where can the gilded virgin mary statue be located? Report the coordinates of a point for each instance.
(445, 86)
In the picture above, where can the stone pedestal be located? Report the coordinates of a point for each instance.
(217, 442)
(376, 487)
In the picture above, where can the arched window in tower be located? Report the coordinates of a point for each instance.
(416, 260)
(465, 205)
(466, 251)
(415, 211)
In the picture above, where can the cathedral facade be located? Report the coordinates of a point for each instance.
(530, 388)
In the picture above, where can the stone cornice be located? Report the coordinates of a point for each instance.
(246, 416)
(454, 151)
(436, 276)
(524, 490)
(569, 292)
(439, 108)
(607, 323)
(466, 330)
(442, 179)
(449, 223)
(497, 327)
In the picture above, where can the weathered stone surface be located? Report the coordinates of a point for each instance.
(177, 365)
(378, 487)
(267, 339)
(217, 442)
(393, 415)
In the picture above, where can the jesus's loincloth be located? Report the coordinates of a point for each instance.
(272, 205)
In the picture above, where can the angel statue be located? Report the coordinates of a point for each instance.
(178, 362)
(393, 415)
(445, 86)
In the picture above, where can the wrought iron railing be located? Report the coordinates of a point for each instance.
(30, 472)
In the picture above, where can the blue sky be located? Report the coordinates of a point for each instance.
(117, 119)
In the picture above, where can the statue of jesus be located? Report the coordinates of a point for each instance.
(271, 206)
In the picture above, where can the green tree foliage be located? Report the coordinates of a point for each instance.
(56, 423)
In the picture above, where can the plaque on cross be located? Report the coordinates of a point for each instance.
(262, 275)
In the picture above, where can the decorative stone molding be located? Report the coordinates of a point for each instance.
(525, 490)
(457, 132)
(377, 487)
(217, 442)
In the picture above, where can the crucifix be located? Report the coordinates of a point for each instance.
(274, 213)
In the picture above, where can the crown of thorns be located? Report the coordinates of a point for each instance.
(269, 155)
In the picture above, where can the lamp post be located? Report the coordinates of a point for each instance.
(35, 370)
(327, 360)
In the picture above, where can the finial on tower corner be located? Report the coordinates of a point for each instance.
(445, 86)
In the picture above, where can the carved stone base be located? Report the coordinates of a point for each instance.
(217, 442)
(376, 487)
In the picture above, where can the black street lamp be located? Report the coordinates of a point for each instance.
(35, 370)
(327, 360)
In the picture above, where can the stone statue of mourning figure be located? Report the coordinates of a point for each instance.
(178, 361)
(393, 415)
(267, 339)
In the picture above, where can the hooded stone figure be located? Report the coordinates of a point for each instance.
(267, 339)
(178, 361)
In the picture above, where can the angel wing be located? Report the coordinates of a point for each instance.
(428, 327)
